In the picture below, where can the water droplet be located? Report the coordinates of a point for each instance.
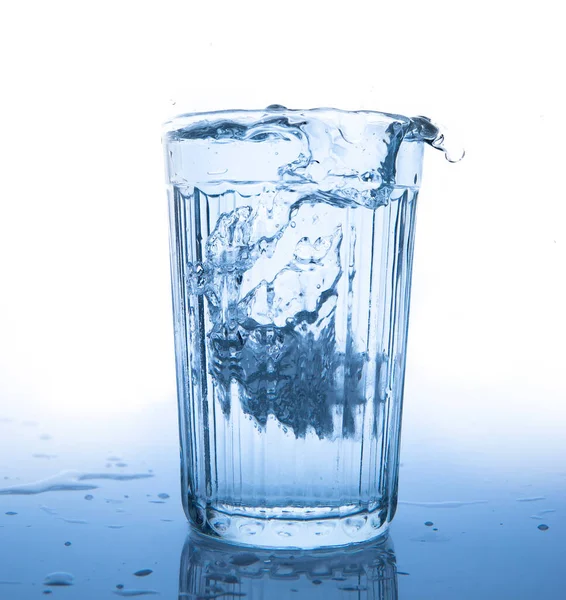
(59, 579)
(276, 107)
(89, 497)
(543, 527)
(143, 573)
(293, 224)
(429, 523)
(244, 559)
(220, 523)
(251, 528)
(45, 436)
(436, 528)
(120, 586)
(352, 525)
(163, 496)
(67, 543)
(316, 581)
(47, 592)
(11, 513)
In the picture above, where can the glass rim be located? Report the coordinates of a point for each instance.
(188, 118)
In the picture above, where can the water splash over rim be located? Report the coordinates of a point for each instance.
(435, 136)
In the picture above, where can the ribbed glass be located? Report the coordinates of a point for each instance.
(291, 253)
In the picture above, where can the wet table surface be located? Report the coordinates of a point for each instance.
(90, 508)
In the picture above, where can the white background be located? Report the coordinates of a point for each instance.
(85, 317)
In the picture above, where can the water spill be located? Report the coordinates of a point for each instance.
(543, 527)
(533, 499)
(115, 476)
(143, 573)
(133, 593)
(540, 515)
(46, 509)
(448, 504)
(74, 521)
(59, 579)
(69, 481)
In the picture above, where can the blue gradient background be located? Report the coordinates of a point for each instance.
(86, 349)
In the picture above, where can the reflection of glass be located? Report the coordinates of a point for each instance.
(291, 251)
(212, 569)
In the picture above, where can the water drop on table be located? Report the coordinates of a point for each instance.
(59, 579)
(143, 573)
(543, 527)
(429, 523)
(67, 543)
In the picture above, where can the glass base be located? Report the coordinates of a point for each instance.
(305, 533)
